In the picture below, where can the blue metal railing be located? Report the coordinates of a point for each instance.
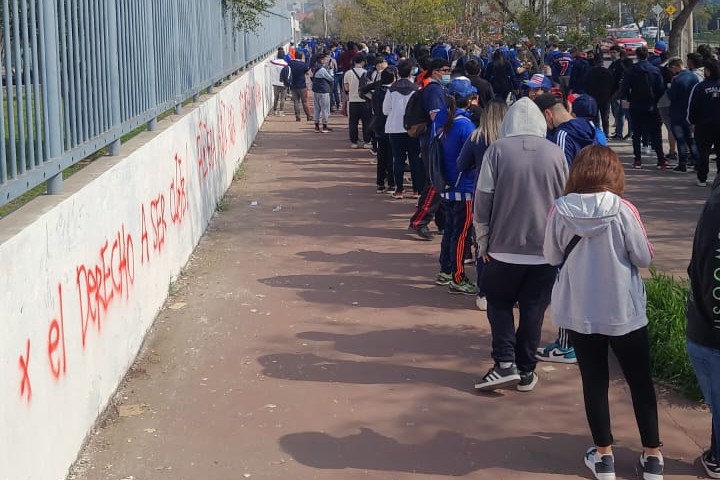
(79, 74)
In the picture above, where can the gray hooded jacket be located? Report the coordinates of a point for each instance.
(521, 176)
(599, 288)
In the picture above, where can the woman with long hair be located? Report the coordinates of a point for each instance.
(470, 160)
(501, 75)
(598, 241)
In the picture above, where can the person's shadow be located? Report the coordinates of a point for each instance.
(452, 454)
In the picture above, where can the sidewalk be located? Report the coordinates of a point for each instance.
(307, 340)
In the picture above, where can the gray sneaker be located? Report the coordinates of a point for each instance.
(652, 467)
(603, 468)
(528, 380)
(498, 377)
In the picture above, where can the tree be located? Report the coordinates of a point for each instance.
(246, 13)
(678, 25)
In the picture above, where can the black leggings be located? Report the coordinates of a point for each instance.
(633, 352)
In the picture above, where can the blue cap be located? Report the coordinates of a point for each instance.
(539, 80)
(461, 87)
(585, 106)
(660, 47)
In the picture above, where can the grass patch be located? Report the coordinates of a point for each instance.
(666, 298)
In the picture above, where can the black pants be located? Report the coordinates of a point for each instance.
(648, 123)
(385, 163)
(633, 352)
(359, 112)
(707, 137)
(458, 222)
(604, 113)
(528, 285)
(429, 206)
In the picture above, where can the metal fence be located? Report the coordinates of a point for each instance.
(79, 74)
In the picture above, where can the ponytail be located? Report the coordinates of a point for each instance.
(452, 108)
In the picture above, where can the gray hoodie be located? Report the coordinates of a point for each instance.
(521, 176)
(599, 288)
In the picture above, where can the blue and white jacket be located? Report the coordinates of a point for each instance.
(452, 145)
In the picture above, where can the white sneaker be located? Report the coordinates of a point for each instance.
(700, 183)
(354, 145)
(648, 150)
(481, 303)
(368, 145)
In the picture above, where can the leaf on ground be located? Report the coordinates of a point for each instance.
(130, 410)
(177, 306)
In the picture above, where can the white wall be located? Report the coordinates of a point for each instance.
(84, 274)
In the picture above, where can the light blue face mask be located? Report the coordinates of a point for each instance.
(415, 70)
(446, 79)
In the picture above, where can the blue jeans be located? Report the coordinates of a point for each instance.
(706, 362)
(404, 146)
(335, 98)
(619, 114)
(684, 137)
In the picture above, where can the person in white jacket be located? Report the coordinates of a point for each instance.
(276, 66)
(599, 243)
(403, 146)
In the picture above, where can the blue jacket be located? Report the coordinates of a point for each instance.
(635, 84)
(580, 69)
(298, 69)
(572, 136)
(679, 95)
(471, 155)
(452, 145)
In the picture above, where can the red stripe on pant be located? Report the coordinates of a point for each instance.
(425, 206)
(459, 272)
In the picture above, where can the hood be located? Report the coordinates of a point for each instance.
(588, 214)
(523, 118)
(645, 66)
(580, 130)
(404, 86)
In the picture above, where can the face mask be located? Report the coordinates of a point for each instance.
(415, 70)
(446, 79)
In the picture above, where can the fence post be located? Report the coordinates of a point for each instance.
(114, 63)
(52, 93)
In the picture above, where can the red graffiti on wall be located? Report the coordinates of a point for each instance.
(24, 363)
(100, 284)
(178, 194)
(144, 244)
(157, 220)
(206, 150)
(227, 130)
(57, 355)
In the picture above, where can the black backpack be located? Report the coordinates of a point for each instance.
(436, 162)
(416, 118)
(286, 76)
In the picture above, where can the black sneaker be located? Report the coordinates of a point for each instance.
(672, 156)
(528, 380)
(498, 377)
(712, 467)
(602, 468)
(652, 467)
(422, 231)
(680, 169)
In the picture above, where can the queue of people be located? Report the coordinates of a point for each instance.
(573, 243)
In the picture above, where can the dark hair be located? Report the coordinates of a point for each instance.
(696, 59)
(280, 53)
(641, 53)
(596, 169)
(454, 102)
(387, 76)
(664, 55)
(675, 62)
(627, 63)
(404, 69)
(705, 51)
(472, 67)
(437, 64)
(299, 55)
(358, 59)
(713, 68)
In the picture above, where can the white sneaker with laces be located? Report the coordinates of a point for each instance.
(481, 303)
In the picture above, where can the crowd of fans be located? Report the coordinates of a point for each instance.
(507, 153)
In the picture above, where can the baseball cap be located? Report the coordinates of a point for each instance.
(547, 100)
(539, 80)
(461, 87)
(585, 106)
(660, 47)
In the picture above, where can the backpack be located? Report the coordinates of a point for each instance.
(286, 76)
(416, 118)
(436, 162)
(363, 81)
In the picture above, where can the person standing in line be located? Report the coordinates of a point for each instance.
(643, 86)
(358, 105)
(598, 242)
(522, 174)
(703, 320)
(617, 70)
(384, 170)
(703, 108)
(276, 67)
(403, 145)
(678, 93)
(599, 83)
(434, 100)
(298, 85)
(322, 84)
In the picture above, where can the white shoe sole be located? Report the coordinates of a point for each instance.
(528, 388)
(599, 476)
(556, 359)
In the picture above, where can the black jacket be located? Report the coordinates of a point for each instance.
(704, 103)
(599, 84)
(617, 70)
(703, 308)
(643, 86)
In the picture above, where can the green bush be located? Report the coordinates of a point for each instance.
(666, 299)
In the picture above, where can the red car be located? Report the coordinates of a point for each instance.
(627, 38)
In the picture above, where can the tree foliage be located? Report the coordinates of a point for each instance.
(246, 14)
